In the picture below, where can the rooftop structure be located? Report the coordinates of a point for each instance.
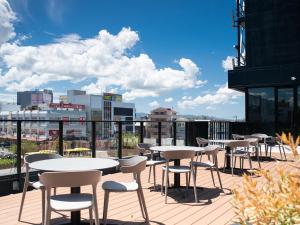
(34, 98)
(267, 67)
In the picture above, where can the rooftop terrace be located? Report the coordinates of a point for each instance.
(214, 207)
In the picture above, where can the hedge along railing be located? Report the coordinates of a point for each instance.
(206, 129)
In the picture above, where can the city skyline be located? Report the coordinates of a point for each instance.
(140, 51)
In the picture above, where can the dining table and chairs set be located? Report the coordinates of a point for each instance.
(57, 172)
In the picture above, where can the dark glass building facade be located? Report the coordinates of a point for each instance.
(270, 74)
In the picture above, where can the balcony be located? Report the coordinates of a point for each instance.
(214, 206)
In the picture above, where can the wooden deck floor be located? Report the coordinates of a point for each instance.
(214, 207)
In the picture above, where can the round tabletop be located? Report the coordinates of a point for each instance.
(73, 164)
(176, 148)
(225, 141)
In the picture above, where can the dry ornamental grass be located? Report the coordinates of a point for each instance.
(276, 198)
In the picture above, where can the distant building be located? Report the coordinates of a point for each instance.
(46, 130)
(267, 66)
(180, 127)
(106, 107)
(9, 107)
(29, 99)
(164, 115)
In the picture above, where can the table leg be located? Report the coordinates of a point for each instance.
(75, 216)
(177, 175)
(228, 151)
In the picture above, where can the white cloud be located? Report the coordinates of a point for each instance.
(227, 63)
(7, 17)
(210, 108)
(222, 95)
(169, 99)
(104, 57)
(154, 104)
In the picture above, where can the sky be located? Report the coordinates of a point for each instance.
(171, 53)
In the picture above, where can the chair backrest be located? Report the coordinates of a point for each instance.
(212, 150)
(135, 164)
(202, 141)
(178, 154)
(70, 179)
(143, 147)
(237, 137)
(252, 140)
(40, 156)
(238, 143)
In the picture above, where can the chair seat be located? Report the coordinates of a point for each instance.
(71, 202)
(203, 164)
(37, 185)
(178, 169)
(155, 162)
(115, 186)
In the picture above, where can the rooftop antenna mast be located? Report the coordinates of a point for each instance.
(238, 21)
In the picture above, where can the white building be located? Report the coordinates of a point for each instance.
(46, 130)
(106, 107)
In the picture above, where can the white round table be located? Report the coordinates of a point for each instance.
(74, 164)
(176, 161)
(175, 148)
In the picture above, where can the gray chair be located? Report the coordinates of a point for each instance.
(134, 165)
(37, 184)
(237, 148)
(202, 142)
(71, 202)
(153, 162)
(272, 142)
(173, 155)
(212, 153)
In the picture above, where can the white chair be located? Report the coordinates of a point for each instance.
(152, 163)
(272, 142)
(212, 153)
(71, 202)
(37, 184)
(134, 165)
(173, 155)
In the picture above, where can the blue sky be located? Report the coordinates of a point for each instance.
(180, 43)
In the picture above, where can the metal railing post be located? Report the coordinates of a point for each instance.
(142, 132)
(93, 139)
(159, 133)
(61, 138)
(174, 133)
(19, 152)
(120, 140)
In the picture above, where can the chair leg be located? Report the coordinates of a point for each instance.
(225, 158)
(166, 185)
(162, 181)
(231, 166)
(154, 177)
(91, 216)
(219, 177)
(186, 182)
(194, 181)
(149, 174)
(22, 200)
(270, 152)
(95, 208)
(141, 204)
(212, 176)
(144, 204)
(47, 215)
(105, 207)
(283, 152)
(43, 205)
(280, 153)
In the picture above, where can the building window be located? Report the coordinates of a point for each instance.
(261, 107)
(285, 109)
